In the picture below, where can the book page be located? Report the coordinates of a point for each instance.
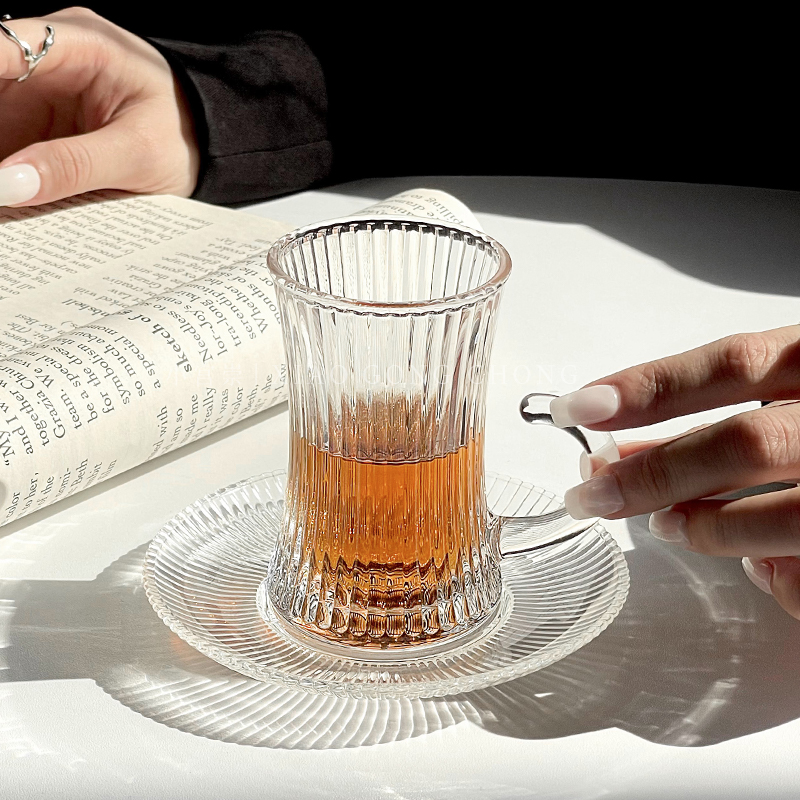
(130, 326)
(72, 262)
(425, 203)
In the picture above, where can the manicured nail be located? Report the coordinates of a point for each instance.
(597, 497)
(585, 407)
(759, 572)
(669, 526)
(18, 184)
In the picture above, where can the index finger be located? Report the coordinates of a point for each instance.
(736, 369)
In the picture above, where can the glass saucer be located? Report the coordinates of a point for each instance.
(203, 571)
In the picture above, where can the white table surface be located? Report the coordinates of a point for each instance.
(693, 692)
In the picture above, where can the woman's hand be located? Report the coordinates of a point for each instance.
(672, 477)
(101, 110)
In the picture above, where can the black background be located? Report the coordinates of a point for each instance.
(655, 93)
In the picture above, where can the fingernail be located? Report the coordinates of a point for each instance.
(759, 572)
(18, 184)
(669, 526)
(594, 498)
(586, 406)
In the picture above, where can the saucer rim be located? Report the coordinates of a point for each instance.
(383, 689)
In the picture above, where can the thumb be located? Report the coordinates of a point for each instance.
(48, 171)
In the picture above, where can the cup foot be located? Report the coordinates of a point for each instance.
(371, 653)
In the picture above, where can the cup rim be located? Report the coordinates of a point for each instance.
(389, 308)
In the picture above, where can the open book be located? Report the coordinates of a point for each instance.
(133, 325)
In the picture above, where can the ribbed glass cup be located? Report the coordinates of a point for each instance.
(388, 325)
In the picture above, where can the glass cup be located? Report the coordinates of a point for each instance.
(387, 541)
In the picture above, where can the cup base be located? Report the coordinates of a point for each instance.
(371, 653)
(204, 569)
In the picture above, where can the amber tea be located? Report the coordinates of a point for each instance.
(383, 538)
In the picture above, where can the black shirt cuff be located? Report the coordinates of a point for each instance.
(259, 107)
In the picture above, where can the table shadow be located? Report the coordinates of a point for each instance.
(739, 237)
(697, 656)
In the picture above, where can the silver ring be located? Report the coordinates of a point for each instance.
(30, 57)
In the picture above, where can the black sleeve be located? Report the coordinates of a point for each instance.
(260, 108)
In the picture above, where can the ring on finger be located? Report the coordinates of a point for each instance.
(31, 58)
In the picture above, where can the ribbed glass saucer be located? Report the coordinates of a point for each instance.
(203, 572)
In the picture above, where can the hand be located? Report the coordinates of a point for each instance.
(672, 477)
(101, 110)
